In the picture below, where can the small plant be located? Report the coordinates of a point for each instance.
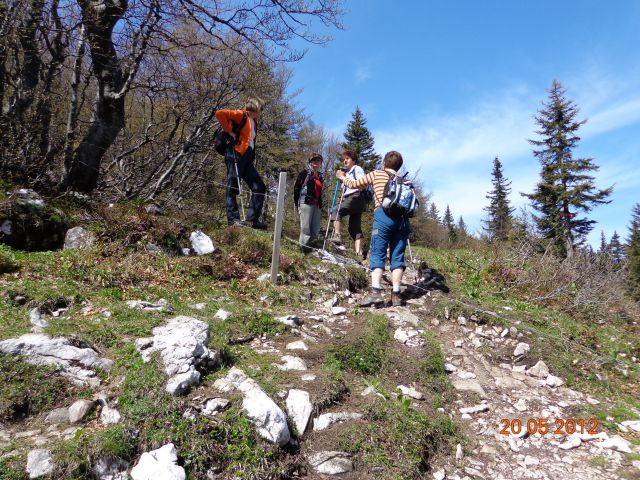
(365, 354)
(7, 260)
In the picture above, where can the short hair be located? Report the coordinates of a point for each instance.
(254, 104)
(393, 160)
(351, 154)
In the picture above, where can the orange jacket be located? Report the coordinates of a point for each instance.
(228, 119)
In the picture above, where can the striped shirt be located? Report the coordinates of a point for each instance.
(377, 178)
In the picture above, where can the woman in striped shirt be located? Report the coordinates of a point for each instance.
(387, 232)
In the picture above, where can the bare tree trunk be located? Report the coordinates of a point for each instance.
(29, 75)
(99, 18)
(72, 118)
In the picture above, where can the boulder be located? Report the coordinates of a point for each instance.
(265, 415)
(109, 416)
(74, 362)
(78, 238)
(182, 344)
(160, 464)
(539, 370)
(57, 416)
(29, 224)
(521, 349)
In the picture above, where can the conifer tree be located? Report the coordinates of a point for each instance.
(433, 213)
(566, 189)
(604, 247)
(500, 219)
(359, 139)
(633, 253)
(615, 248)
(449, 225)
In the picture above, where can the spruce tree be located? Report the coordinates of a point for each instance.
(359, 139)
(633, 253)
(450, 226)
(500, 219)
(604, 247)
(433, 213)
(615, 248)
(566, 189)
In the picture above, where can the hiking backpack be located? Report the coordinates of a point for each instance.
(399, 198)
(222, 140)
(367, 194)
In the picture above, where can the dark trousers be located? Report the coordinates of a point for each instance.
(247, 172)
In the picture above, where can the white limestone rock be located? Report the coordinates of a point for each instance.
(213, 406)
(299, 408)
(291, 363)
(109, 416)
(74, 362)
(330, 463)
(539, 370)
(111, 469)
(325, 420)
(222, 314)
(78, 238)
(616, 443)
(521, 349)
(338, 310)
(182, 344)
(483, 407)
(201, 243)
(79, 410)
(160, 464)
(299, 345)
(411, 392)
(571, 442)
(553, 381)
(290, 321)
(268, 418)
(39, 463)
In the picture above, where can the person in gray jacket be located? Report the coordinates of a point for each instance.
(307, 197)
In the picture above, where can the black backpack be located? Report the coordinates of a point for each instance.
(222, 140)
(399, 199)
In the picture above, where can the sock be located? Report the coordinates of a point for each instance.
(376, 285)
(396, 289)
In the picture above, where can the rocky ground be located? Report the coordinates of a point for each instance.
(340, 391)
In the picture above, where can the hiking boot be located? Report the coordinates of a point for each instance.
(337, 239)
(257, 224)
(373, 299)
(397, 300)
(237, 223)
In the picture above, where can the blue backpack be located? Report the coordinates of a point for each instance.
(399, 198)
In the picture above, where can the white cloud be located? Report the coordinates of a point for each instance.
(454, 152)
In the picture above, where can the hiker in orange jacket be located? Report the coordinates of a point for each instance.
(239, 159)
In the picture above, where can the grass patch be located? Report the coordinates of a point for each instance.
(398, 442)
(30, 389)
(7, 260)
(12, 469)
(366, 354)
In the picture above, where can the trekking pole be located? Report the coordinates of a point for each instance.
(333, 202)
(235, 162)
(413, 265)
(344, 189)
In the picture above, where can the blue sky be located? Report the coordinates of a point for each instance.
(453, 84)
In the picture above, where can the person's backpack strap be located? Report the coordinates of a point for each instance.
(238, 128)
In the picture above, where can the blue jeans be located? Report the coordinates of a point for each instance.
(247, 172)
(390, 232)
